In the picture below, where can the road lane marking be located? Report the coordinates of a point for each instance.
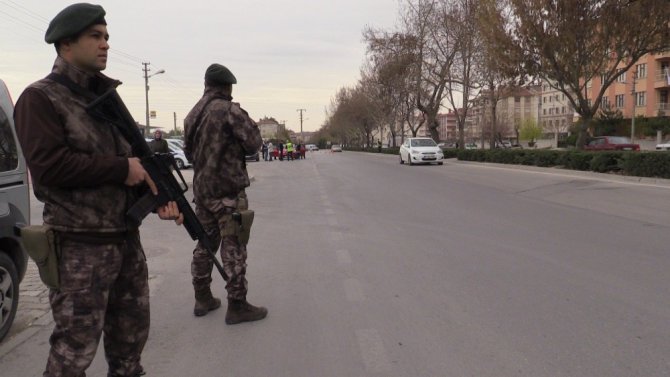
(372, 351)
(353, 290)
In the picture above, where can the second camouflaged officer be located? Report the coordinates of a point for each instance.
(218, 134)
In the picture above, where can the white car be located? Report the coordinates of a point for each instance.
(420, 150)
(179, 156)
(663, 147)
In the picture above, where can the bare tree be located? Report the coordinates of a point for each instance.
(499, 68)
(463, 82)
(436, 40)
(569, 43)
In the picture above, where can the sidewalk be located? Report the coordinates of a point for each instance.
(34, 311)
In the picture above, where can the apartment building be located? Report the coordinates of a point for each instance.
(556, 113)
(643, 90)
(515, 105)
(269, 128)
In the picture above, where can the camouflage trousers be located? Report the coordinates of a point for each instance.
(214, 215)
(104, 289)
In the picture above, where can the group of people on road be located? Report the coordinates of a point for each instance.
(88, 174)
(282, 151)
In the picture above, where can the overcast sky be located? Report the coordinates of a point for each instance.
(286, 54)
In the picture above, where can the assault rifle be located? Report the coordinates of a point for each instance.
(159, 166)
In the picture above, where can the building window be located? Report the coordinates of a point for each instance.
(622, 77)
(544, 112)
(604, 102)
(619, 99)
(602, 79)
(640, 99)
(563, 110)
(641, 71)
(588, 84)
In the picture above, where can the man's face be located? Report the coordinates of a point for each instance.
(157, 135)
(89, 51)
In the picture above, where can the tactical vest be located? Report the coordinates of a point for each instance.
(88, 209)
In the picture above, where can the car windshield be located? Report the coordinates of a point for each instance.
(423, 143)
(619, 140)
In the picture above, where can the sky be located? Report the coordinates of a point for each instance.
(286, 54)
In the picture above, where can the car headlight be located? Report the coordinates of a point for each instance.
(414, 152)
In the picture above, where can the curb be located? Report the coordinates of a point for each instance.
(571, 173)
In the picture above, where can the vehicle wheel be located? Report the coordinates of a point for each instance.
(440, 163)
(401, 161)
(9, 293)
(409, 160)
(180, 164)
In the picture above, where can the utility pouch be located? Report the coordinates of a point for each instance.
(244, 218)
(41, 244)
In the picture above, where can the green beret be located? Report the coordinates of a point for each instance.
(73, 20)
(217, 74)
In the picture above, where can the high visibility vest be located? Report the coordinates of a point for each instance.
(289, 147)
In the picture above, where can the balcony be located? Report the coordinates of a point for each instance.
(661, 80)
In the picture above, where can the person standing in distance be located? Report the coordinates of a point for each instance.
(158, 144)
(84, 172)
(218, 134)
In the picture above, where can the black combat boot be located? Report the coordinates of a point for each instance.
(242, 311)
(205, 302)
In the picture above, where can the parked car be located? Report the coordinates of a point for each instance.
(420, 150)
(471, 146)
(253, 157)
(663, 147)
(14, 213)
(179, 156)
(611, 143)
(176, 142)
(336, 148)
(311, 147)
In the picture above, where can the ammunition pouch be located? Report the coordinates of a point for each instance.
(239, 225)
(246, 218)
(41, 244)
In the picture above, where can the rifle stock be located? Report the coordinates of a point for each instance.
(160, 167)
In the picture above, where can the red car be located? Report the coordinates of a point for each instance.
(611, 143)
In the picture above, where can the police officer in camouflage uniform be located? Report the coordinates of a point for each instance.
(84, 172)
(218, 134)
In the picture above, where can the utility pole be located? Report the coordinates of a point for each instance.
(175, 122)
(302, 140)
(147, 130)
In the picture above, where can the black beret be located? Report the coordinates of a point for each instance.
(73, 20)
(217, 74)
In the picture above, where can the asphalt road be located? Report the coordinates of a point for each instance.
(371, 268)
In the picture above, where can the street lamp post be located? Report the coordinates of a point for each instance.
(146, 93)
(632, 124)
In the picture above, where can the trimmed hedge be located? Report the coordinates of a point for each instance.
(638, 164)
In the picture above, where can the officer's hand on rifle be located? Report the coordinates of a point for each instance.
(170, 211)
(137, 175)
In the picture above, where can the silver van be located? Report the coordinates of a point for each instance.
(14, 212)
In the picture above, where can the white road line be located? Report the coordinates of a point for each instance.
(372, 351)
(353, 290)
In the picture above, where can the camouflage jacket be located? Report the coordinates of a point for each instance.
(217, 144)
(78, 164)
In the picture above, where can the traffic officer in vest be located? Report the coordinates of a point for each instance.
(289, 150)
